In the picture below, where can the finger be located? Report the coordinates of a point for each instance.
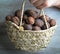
(32, 1)
(38, 2)
(43, 5)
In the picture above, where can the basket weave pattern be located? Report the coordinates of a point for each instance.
(30, 40)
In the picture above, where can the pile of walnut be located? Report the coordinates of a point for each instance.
(31, 20)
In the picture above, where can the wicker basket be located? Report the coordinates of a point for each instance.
(29, 40)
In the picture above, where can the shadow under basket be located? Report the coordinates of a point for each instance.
(31, 41)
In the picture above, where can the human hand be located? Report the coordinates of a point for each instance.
(39, 4)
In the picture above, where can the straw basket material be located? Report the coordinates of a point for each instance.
(31, 41)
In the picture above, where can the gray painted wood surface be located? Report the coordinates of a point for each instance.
(6, 47)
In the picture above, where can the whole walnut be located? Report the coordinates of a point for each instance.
(31, 13)
(16, 20)
(52, 22)
(46, 17)
(27, 27)
(36, 28)
(44, 26)
(39, 22)
(18, 13)
(8, 18)
(30, 20)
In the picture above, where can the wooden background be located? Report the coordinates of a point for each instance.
(8, 7)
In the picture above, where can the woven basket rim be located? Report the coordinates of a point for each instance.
(40, 30)
(34, 31)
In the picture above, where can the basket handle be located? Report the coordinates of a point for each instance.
(22, 11)
(42, 13)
